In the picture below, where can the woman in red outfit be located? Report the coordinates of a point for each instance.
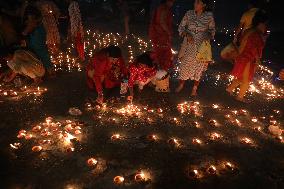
(250, 53)
(141, 72)
(160, 33)
(107, 70)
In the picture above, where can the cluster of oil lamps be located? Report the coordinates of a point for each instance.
(202, 172)
(94, 41)
(139, 176)
(51, 134)
(12, 92)
(240, 118)
(260, 87)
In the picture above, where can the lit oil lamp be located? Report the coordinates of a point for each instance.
(77, 132)
(215, 136)
(115, 137)
(212, 170)
(68, 127)
(139, 176)
(258, 129)
(118, 180)
(152, 138)
(92, 162)
(196, 124)
(273, 122)
(228, 116)
(70, 149)
(194, 173)
(21, 134)
(243, 112)
(160, 110)
(215, 106)
(280, 138)
(237, 122)
(36, 148)
(213, 122)
(254, 120)
(246, 140)
(196, 141)
(28, 136)
(15, 146)
(175, 142)
(36, 128)
(229, 166)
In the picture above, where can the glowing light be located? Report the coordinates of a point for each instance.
(115, 137)
(92, 162)
(212, 170)
(118, 180)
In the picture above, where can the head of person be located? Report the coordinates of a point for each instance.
(113, 53)
(169, 3)
(202, 5)
(6, 54)
(145, 60)
(260, 21)
(253, 4)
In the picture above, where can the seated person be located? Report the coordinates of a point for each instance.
(25, 63)
(107, 69)
(141, 72)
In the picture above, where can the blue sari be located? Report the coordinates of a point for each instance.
(36, 42)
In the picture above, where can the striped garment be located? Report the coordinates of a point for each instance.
(202, 28)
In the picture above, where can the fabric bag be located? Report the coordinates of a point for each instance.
(230, 52)
(204, 52)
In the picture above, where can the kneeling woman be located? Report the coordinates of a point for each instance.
(25, 63)
(250, 52)
(107, 69)
(142, 71)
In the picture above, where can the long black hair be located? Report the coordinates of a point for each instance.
(209, 5)
(260, 17)
(145, 59)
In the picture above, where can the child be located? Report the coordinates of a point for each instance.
(142, 71)
(107, 69)
(25, 63)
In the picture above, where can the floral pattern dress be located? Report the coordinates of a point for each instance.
(201, 28)
(50, 14)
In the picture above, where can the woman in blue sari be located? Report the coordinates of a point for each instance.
(36, 37)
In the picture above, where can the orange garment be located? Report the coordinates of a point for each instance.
(246, 20)
(160, 38)
(250, 52)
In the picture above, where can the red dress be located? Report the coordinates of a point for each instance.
(105, 71)
(160, 39)
(140, 74)
(251, 52)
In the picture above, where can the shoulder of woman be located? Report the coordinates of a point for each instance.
(209, 14)
(189, 12)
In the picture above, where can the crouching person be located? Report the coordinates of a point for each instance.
(25, 63)
(106, 70)
(142, 72)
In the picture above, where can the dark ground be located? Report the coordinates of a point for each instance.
(259, 166)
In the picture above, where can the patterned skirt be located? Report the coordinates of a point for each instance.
(190, 68)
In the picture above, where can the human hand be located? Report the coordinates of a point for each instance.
(100, 99)
(130, 99)
(189, 38)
